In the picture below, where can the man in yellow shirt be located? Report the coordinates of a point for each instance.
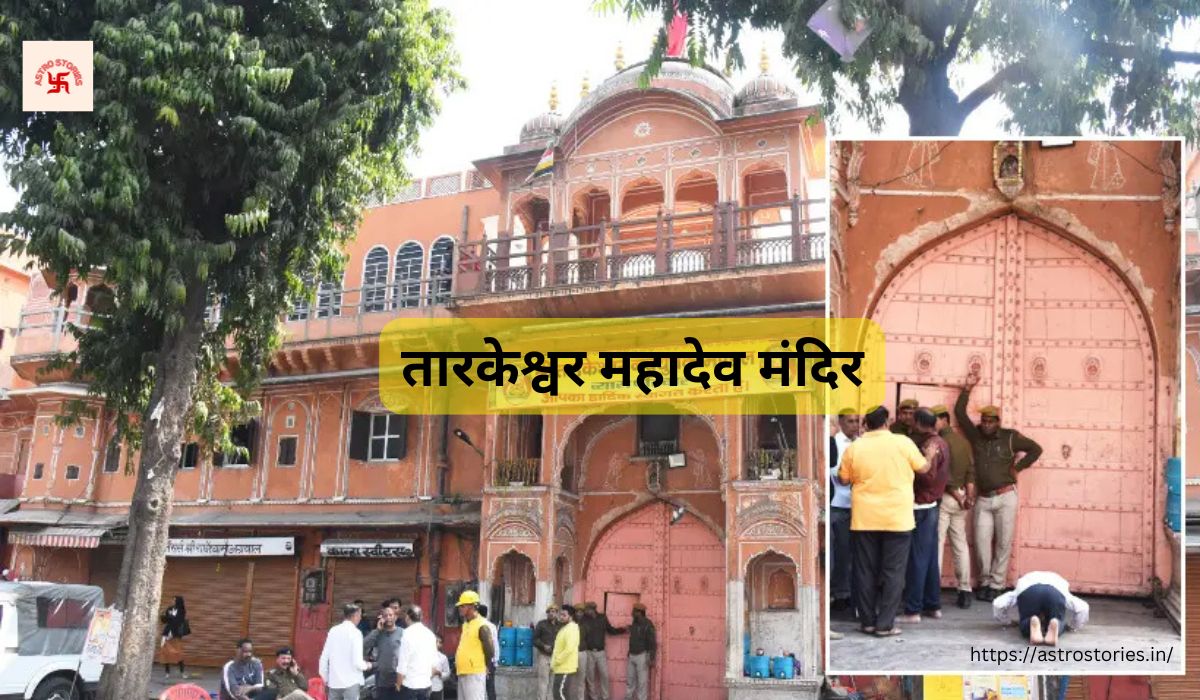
(474, 647)
(880, 467)
(564, 662)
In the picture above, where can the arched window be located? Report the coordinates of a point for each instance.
(329, 299)
(441, 259)
(408, 276)
(374, 282)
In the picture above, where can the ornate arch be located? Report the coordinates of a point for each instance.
(615, 515)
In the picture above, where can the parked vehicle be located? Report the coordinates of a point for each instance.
(43, 627)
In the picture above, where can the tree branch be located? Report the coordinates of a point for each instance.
(960, 30)
(1009, 75)
(1128, 52)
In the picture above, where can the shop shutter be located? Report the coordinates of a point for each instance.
(215, 592)
(1186, 687)
(273, 604)
(372, 581)
(106, 570)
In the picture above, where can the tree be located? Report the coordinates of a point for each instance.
(1059, 66)
(232, 147)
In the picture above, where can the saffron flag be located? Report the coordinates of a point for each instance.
(677, 34)
(544, 165)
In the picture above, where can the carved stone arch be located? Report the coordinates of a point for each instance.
(513, 549)
(613, 516)
(770, 518)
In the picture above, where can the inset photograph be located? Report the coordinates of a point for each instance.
(1007, 508)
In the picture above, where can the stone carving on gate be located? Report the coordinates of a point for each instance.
(854, 164)
(921, 157)
(767, 517)
(515, 519)
(1171, 192)
(1106, 166)
(1008, 167)
(564, 524)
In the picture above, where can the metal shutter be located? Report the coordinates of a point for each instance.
(273, 604)
(106, 570)
(373, 581)
(1186, 687)
(216, 594)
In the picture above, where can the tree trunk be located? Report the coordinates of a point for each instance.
(932, 106)
(139, 587)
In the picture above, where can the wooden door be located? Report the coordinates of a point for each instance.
(1064, 349)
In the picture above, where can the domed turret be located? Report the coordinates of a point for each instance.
(764, 88)
(544, 126)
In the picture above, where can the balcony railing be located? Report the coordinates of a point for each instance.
(47, 330)
(727, 237)
(771, 464)
(519, 471)
(657, 448)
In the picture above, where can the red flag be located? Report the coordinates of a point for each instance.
(677, 34)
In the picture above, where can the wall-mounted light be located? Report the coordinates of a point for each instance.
(458, 433)
(677, 514)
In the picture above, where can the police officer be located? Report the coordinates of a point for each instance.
(956, 504)
(904, 417)
(996, 469)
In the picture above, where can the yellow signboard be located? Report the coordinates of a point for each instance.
(636, 365)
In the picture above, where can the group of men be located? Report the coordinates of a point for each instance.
(572, 659)
(404, 654)
(406, 657)
(899, 491)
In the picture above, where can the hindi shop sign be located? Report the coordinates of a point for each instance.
(368, 549)
(235, 547)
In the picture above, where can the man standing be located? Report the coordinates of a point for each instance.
(418, 658)
(594, 629)
(564, 660)
(342, 663)
(383, 645)
(880, 466)
(286, 679)
(366, 624)
(996, 469)
(475, 647)
(242, 678)
(923, 585)
(642, 647)
(840, 553)
(956, 503)
(494, 657)
(440, 673)
(543, 643)
(903, 424)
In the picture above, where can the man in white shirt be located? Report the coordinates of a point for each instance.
(841, 583)
(1041, 600)
(418, 658)
(342, 663)
(440, 673)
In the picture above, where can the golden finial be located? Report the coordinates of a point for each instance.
(764, 64)
(620, 60)
(553, 97)
(586, 88)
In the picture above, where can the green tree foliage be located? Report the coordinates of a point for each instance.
(1060, 67)
(231, 149)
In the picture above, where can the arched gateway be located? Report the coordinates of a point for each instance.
(678, 572)
(1063, 347)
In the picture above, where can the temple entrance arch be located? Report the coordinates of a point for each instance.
(678, 572)
(1063, 347)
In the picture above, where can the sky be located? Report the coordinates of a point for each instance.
(511, 53)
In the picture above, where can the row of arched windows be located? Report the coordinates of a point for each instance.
(404, 282)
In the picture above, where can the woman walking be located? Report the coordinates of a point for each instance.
(175, 628)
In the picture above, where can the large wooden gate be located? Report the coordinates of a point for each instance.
(678, 572)
(1064, 349)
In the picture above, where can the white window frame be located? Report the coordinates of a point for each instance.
(386, 437)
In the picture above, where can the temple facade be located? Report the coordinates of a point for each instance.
(692, 198)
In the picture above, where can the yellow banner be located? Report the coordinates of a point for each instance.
(722, 366)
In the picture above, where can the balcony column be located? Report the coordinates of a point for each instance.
(660, 245)
(733, 214)
(798, 238)
(735, 627)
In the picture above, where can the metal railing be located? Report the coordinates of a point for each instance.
(518, 471)
(657, 448)
(725, 237)
(771, 464)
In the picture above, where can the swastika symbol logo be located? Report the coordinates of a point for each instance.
(58, 83)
